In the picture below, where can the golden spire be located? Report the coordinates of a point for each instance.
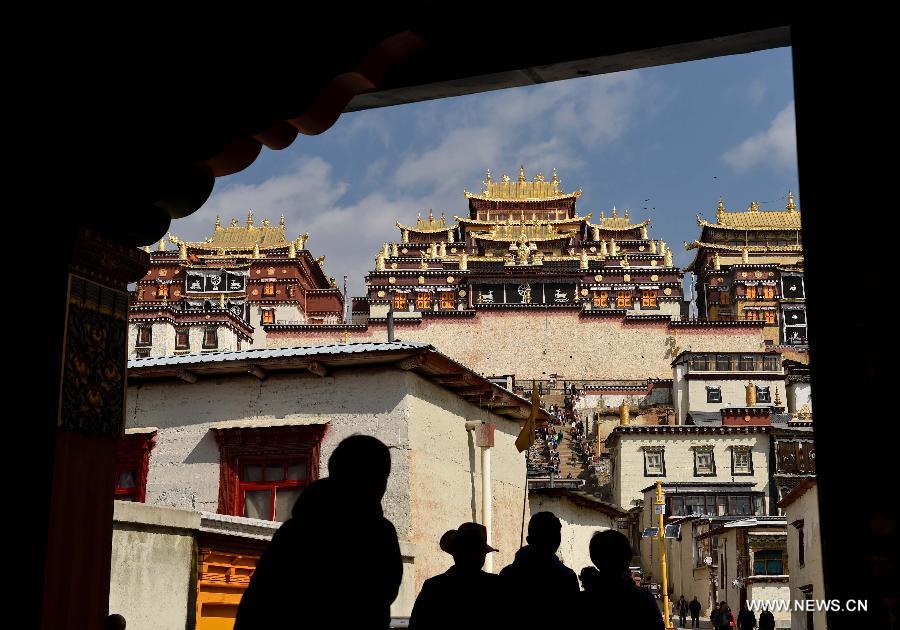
(555, 178)
(626, 215)
(218, 223)
(720, 211)
(614, 215)
(162, 244)
(717, 262)
(791, 206)
(281, 222)
(487, 178)
(754, 206)
(667, 261)
(249, 218)
(265, 223)
(521, 172)
(234, 222)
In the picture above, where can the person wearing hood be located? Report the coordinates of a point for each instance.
(336, 562)
(537, 566)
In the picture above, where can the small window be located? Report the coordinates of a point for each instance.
(448, 300)
(600, 299)
(623, 299)
(699, 362)
(654, 462)
(182, 339)
(750, 314)
(269, 489)
(163, 291)
(770, 362)
(801, 543)
(704, 462)
(739, 505)
(400, 302)
(210, 338)
(142, 353)
(750, 293)
(763, 395)
(145, 336)
(746, 363)
(268, 288)
(423, 300)
(769, 316)
(769, 292)
(741, 460)
(768, 562)
(713, 394)
(723, 363)
(649, 298)
(268, 316)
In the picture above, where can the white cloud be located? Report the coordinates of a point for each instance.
(776, 145)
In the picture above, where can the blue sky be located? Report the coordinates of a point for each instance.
(664, 143)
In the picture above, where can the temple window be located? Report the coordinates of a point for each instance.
(713, 394)
(649, 298)
(750, 292)
(770, 362)
(163, 291)
(763, 395)
(769, 292)
(423, 301)
(750, 315)
(746, 363)
(400, 302)
(144, 336)
(132, 462)
(182, 340)
(654, 462)
(210, 338)
(269, 487)
(704, 462)
(142, 353)
(601, 299)
(723, 363)
(699, 362)
(268, 316)
(623, 299)
(268, 288)
(768, 562)
(448, 300)
(741, 460)
(770, 316)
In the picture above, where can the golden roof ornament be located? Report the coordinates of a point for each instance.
(626, 214)
(720, 211)
(234, 223)
(256, 250)
(249, 218)
(614, 215)
(717, 262)
(487, 178)
(147, 248)
(504, 178)
(321, 260)
(539, 177)
(292, 250)
(643, 231)
(754, 206)
(218, 225)
(791, 206)
(265, 223)
(521, 172)
(281, 222)
(182, 250)
(653, 247)
(667, 261)
(555, 178)
(332, 282)
(777, 397)
(162, 244)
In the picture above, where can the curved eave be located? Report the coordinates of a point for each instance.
(633, 226)
(511, 239)
(748, 228)
(426, 230)
(572, 196)
(573, 221)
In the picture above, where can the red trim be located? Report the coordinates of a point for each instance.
(133, 453)
(262, 444)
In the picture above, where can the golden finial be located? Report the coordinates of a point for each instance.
(555, 178)
(234, 222)
(281, 222)
(182, 250)
(487, 177)
(791, 206)
(249, 218)
(162, 244)
(504, 178)
(443, 220)
(754, 206)
(332, 282)
(218, 223)
(614, 214)
(321, 260)
(626, 215)
(777, 397)
(265, 223)
(720, 211)
(292, 249)
(430, 216)
(521, 172)
(539, 177)
(717, 262)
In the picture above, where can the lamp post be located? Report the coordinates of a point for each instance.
(660, 509)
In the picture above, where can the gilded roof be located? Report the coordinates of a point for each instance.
(615, 223)
(558, 222)
(523, 232)
(522, 189)
(428, 225)
(755, 219)
(243, 237)
(740, 248)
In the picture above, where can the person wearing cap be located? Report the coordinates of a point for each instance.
(463, 596)
(537, 563)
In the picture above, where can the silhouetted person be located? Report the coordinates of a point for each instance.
(537, 566)
(766, 620)
(463, 596)
(115, 622)
(589, 577)
(682, 610)
(616, 602)
(725, 617)
(746, 618)
(336, 562)
(695, 608)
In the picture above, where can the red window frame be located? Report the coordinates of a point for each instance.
(273, 485)
(448, 301)
(262, 444)
(182, 335)
(601, 299)
(423, 300)
(649, 298)
(624, 298)
(400, 302)
(268, 316)
(133, 455)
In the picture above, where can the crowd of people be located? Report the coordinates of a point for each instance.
(544, 456)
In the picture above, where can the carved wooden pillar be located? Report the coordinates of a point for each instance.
(89, 420)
